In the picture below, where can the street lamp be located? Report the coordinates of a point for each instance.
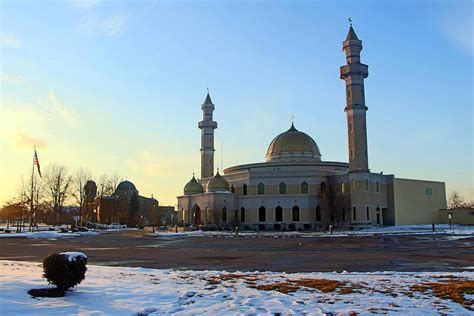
(450, 216)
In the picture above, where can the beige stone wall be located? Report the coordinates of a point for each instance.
(462, 216)
(357, 137)
(271, 189)
(413, 202)
(367, 193)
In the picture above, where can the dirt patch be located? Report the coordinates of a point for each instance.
(450, 288)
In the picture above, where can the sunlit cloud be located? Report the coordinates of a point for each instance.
(148, 163)
(10, 41)
(83, 4)
(17, 79)
(15, 112)
(59, 108)
(23, 139)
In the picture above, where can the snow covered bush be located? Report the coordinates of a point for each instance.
(65, 270)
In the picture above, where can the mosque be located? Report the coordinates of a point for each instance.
(294, 189)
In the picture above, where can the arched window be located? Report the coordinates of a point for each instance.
(224, 214)
(244, 189)
(278, 214)
(282, 188)
(262, 214)
(353, 182)
(304, 188)
(323, 187)
(318, 213)
(232, 189)
(296, 213)
(261, 188)
(242, 214)
(377, 186)
(366, 185)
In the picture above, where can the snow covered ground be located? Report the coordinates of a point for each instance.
(46, 234)
(138, 291)
(466, 230)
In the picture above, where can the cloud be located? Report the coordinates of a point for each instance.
(10, 41)
(23, 139)
(113, 25)
(17, 79)
(84, 4)
(457, 25)
(13, 113)
(64, 111)
(148, 163)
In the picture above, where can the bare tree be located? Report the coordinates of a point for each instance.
(79, 181)
(14, 211)
(58, 184)
(114, 181)
(102, 185)
(31, 194)
(456, 201)
(108, 184)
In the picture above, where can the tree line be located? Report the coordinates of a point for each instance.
(50, 193)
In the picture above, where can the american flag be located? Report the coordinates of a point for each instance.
(37, 163)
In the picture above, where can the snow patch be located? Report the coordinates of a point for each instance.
(72, 255)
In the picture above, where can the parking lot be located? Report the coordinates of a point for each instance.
(427, 252)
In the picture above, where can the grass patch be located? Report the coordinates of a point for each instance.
(284, 287)
(449, 289)
(322, 285)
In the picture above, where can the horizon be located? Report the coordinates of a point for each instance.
(118, 87)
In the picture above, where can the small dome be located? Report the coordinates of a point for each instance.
(218, 184)
(193, 187)
(126, 186)
(293, 145)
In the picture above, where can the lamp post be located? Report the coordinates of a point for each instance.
(450, 216)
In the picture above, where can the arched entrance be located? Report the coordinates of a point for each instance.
(196, 215)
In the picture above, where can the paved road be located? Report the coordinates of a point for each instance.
(375, 253)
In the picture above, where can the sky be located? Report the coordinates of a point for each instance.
(117, 86)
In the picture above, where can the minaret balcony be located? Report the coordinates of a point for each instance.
(354, 69)
(207, 124)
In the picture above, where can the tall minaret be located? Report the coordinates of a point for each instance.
(207, 126)
(354, 73)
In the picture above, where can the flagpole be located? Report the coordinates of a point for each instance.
(32, 183)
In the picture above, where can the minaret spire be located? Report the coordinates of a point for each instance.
(354, 73)
(207, 126)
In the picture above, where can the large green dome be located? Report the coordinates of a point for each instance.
(193, 187)
(218, 184)
(293, 145)
(126, 186)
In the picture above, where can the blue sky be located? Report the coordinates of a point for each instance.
(117, 85)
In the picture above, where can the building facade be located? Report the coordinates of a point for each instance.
(125, 206)
(295, 190)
